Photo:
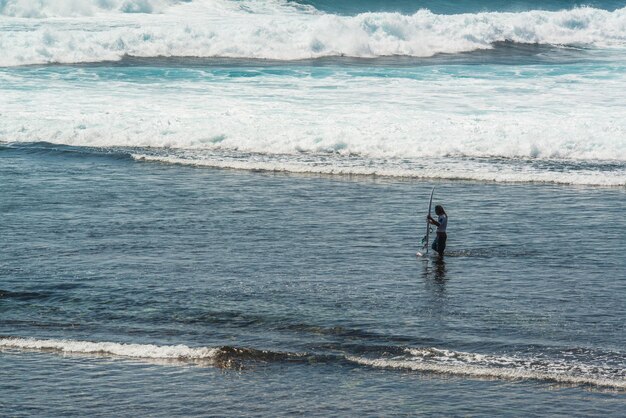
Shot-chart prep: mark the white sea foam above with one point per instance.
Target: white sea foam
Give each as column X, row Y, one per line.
column 475, row 365
column 40, row 9
column 137, row 351
column 500, row 367
column 433, row 169
column 420, row 123
column 394, row 123
column 73, row 31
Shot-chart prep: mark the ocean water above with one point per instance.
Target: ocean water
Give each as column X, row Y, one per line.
column 213, row 207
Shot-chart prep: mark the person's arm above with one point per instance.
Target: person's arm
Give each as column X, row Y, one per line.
column 432, row 220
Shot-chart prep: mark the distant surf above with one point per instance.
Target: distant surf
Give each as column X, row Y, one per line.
column 80, row 31
column 497, row 170
column 521, row 94
column 606, row 174
column 531, row 93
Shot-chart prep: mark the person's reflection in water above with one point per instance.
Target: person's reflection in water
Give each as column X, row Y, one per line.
column 435, row 276
column 440, row 270
column 435, row 299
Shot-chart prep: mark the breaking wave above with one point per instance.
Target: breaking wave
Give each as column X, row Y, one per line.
column 39, row 9
column 226, row 356
column 605, row 370
column 483, row 170
column 275, row 30
column 563, row 371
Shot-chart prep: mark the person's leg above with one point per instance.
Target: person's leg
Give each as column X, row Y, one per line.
column 441, row 243
column 434, row 246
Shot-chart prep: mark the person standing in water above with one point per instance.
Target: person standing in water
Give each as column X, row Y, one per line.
column 439, row 244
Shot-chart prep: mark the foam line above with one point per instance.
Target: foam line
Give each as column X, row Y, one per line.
column 433, row 360
column 136, row 351
column 497, row 367
column 225, row 356
column 441, row 171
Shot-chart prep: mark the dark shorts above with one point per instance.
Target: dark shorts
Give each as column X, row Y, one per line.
column 439, row 244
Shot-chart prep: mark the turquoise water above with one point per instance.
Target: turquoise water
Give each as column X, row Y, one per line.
column 450, row 7
column 555, row 117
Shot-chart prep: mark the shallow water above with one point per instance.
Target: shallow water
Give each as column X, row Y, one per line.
column 301, row 294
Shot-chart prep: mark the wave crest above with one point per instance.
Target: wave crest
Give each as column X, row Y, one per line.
column 225, row 356
column 573, row 367
column 475, row 365
column 39, row 9
column 484, row 170
column 281, row 32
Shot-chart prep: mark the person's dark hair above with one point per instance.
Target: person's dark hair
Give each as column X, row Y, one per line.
column 439, row 210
